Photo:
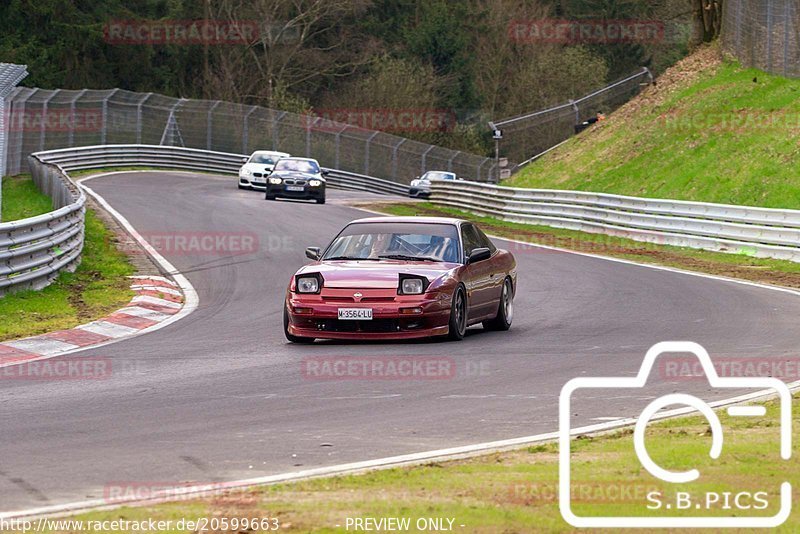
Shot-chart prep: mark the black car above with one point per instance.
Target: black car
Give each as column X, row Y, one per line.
column 299, row 178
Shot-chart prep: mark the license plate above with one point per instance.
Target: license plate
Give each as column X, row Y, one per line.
column 355, row 314
column 295, row 188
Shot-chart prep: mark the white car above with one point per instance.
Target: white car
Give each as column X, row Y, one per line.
column 421, row 186
column 256, row 168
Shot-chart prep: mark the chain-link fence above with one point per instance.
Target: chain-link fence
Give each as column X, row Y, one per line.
column 10, row 76
column 48, row 119
column 764, row 34
column 528, row 135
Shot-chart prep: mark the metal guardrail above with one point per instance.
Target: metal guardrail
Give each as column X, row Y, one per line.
column 34, row 250
column 171, row 157
column 761, row 232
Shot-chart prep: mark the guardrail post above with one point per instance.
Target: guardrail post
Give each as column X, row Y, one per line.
column 366, row 152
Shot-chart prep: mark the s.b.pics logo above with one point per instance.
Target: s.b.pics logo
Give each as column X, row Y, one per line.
column 741, row 455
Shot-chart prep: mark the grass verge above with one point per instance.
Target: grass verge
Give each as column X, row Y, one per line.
column 21, row 199
column 99, row 286
column 708, row 131
column 776, row 272
column 517, row 491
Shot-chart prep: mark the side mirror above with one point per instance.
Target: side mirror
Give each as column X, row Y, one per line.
column 313, row 253
column 244, row 160
column 479, row 254
column 325, row 172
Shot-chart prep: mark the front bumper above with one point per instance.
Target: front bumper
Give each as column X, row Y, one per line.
column 319, row 315
column 418, row 192
column 252, row 181
column 308, row 192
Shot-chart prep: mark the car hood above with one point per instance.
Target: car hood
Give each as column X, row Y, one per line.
column 373, row 274
column 298, row 175
column 257, row 167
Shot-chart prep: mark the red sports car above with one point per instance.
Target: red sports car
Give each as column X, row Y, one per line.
column 400, row 278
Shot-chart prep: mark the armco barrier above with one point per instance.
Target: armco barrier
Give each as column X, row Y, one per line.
column 761, row 232
column 34, row 250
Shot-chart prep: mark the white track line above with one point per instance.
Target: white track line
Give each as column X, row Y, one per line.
column 415, row 458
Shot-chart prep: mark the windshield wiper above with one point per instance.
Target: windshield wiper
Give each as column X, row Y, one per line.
column 353, row 258
column 406, row 257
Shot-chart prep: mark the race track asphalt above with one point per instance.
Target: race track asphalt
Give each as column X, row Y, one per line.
column 220, row 395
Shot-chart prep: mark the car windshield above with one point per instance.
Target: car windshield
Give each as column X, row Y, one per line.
column 401, row 241
column 265, row 159
column 436, row 175
column 298, row 165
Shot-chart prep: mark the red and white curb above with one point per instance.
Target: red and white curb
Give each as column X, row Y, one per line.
column 157, row 300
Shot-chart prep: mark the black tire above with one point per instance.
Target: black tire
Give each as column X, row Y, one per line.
column 321, row 200
column 505, row 310
column 290, row 337
column 270, row 197
column 458, row 315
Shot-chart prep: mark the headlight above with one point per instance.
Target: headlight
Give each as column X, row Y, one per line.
column 307, row 284
column 315, row 183
column 245, row 172
column 275, row 181
column 412, row 285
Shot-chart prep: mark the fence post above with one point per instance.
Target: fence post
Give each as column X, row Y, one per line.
column 786, row 19
column 42, row 133
column 246, row 130
column 450, row 161
column 139, row 118
column 104, row 128
column 210, row 124
column 425, row 160
column 276, row 130
column 71, row 134
column 769, row 36
column 575, row 109
column 338, row 140
column 478, row 177
column 366, row 152
column 395, row 159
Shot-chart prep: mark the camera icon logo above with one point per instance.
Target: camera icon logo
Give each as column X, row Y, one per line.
column 771, row 385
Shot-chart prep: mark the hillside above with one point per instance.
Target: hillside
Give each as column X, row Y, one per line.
column 709, row 131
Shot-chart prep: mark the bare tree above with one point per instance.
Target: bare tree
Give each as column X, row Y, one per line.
column 708, row 18
column 298, row 45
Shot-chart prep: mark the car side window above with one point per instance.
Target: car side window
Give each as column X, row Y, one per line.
column 469, row 237
column 484, row 240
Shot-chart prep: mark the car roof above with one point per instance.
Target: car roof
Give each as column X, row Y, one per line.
column 419, row 220
column 271, row 152
column 303, row 159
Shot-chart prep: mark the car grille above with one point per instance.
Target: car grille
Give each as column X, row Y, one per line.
column 352, row 299
column 292, row 181
column 257, row 174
